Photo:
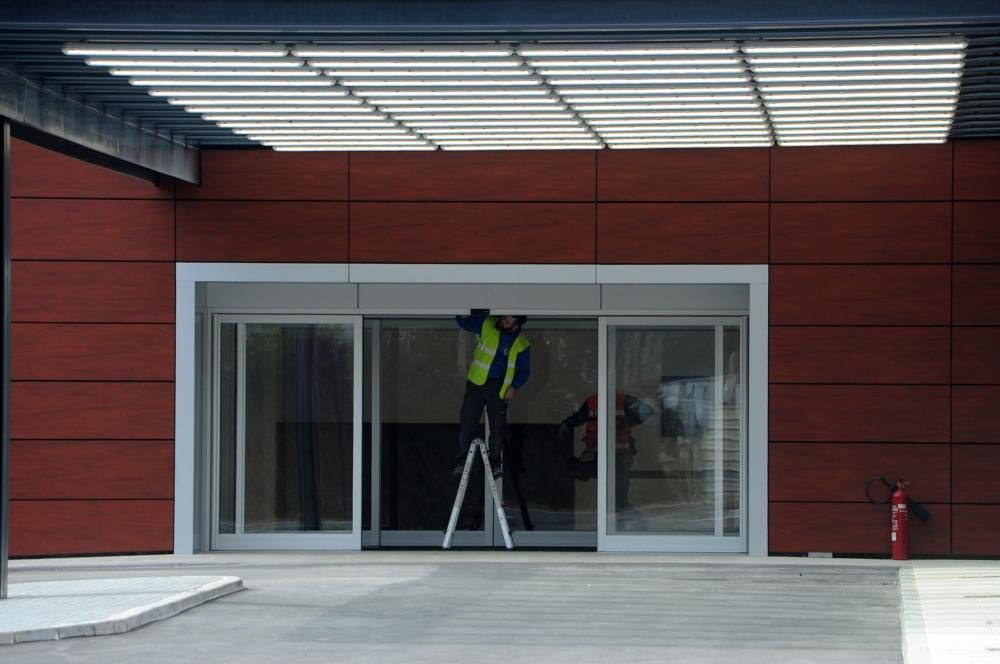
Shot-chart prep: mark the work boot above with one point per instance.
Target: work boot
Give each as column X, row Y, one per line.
column 497, row 469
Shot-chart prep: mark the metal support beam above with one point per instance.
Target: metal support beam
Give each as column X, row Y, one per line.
column 4, row 354
column 47, row 117
column 447, row 15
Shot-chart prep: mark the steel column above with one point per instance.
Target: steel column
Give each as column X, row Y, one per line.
column 5, row 355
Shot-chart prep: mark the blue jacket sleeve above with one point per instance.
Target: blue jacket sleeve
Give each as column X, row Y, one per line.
column 522, row 369
column 472, row 324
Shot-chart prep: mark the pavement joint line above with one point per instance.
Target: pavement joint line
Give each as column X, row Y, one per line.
column 52, row 626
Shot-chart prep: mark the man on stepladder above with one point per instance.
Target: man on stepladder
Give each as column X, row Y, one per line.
column 500, row 366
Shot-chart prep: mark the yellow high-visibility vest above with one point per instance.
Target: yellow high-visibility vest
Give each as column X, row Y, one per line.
column 486, row 350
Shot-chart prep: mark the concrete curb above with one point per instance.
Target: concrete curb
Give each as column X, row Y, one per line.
column 125, row 621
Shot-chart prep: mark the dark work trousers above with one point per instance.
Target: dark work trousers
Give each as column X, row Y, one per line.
column 477, row 396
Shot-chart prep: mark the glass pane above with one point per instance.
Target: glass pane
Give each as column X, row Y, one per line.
column 663, row 474
column 424, row 363
column 227, row 428
column 299, row 427
column 550, row 478
column 732, row 423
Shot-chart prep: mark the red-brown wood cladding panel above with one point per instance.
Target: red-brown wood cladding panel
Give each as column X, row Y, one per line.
column 474, row 176
column 859, row 355
column 860, row 232
column 862, row 173
column 82, row 229
column 683, row 175
column 79, row 410
column 975, row 471
column 57, row 527
column 860, row 295
column 682, row 233
column 863, row 413
column 975, row 530
column 106, row 469
column 977, row 170
column 977, row 232
column 269, row 175
column 839, row 471
column 975, row 355
column 851, row 528
column 472, row 232
column 83, row 351
column 37, row 172
column 977, row 294
column 975, row 414
column 262, row 231
column 93, row 292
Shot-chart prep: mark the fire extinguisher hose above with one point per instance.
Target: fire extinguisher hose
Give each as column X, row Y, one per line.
column 916, row 508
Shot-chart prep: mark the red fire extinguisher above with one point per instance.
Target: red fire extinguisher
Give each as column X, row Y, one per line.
column 900, row 517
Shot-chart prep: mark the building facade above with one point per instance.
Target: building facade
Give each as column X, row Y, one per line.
column 869, row 275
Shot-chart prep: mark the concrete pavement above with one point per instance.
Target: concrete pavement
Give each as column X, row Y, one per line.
column 433, row 606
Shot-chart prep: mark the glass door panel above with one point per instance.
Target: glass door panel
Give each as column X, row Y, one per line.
column 288, row 432
column 674, row 434
column 549, row 483
column 423, row 363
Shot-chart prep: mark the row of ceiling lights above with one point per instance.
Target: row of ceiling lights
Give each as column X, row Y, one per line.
column 550, row 96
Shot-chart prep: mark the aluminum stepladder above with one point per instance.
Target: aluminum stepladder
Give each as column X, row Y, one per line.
column 463, row 485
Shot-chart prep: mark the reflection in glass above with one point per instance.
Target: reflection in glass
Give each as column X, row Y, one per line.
column 549, row 483
column 296, row 470
column 677, row 472
column 227, row 428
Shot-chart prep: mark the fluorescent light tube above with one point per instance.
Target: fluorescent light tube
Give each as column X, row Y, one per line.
column 876, row 129
column 867, row 141
column 468, row 92
column 875, row 57
column 490, row 102
column 354, row 82
column 609, row 115
column 231, row 82
column 503, row 146
column 630, row 62
column 887, row 111
column 560, row 81
column 277, row 102
column 500, row 123
column 355, row 52
column 419, row 117
column 179, row 50
column 303, row 125
column 210, row 93
column 436, row 137
column 896, row 66
column 708, row 48
column 195, row 73
column 225, row 117
column 852, row 46
column 547, row 110
column 911, row 76
column 696, row 133
column 688, row 144
column 366, row 74
column 234, row 110
column 189, row 63
column 355, row 148
column 419, row 63
column 777, row 104
column 555, row 72
column 860, row 117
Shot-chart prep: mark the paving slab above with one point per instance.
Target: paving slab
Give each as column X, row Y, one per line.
column 426, row 607
column 51, row 610
column 951, row 611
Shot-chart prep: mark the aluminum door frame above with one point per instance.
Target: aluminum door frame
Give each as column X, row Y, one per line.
column 302, row 541
column 660, row 542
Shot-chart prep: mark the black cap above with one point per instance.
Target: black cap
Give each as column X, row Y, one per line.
column 520, row 320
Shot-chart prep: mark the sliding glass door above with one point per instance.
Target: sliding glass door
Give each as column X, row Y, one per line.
column 673, row 434
column 287, row 432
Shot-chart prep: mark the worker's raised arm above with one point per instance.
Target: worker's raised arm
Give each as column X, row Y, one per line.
column 472, row 324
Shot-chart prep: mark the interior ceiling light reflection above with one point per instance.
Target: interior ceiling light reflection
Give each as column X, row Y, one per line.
column 555, row 96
